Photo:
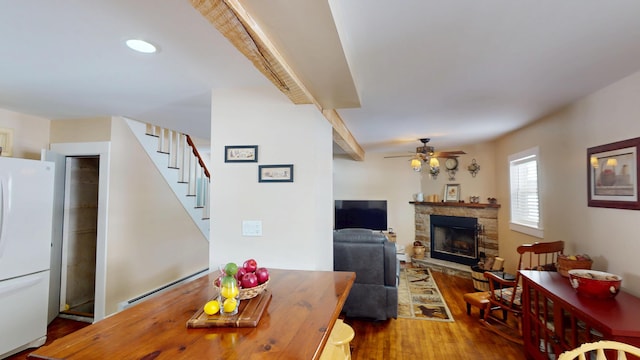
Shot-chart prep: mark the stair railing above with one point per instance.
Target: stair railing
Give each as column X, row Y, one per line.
column 184, row 156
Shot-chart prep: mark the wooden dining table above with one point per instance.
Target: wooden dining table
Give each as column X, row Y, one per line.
column 295, row 324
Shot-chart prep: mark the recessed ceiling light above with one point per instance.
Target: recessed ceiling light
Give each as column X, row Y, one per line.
column 141, row 46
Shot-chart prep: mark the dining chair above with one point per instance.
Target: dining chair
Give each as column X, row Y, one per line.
column 615, row 349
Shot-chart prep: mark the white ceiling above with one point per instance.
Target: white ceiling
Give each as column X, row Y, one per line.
column 458, row 71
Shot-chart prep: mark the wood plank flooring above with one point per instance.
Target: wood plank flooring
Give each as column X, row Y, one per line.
column 401, row 339
column 406, row 339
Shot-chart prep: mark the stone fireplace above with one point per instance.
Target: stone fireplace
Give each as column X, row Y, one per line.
column 485, row 217
column 454, row 238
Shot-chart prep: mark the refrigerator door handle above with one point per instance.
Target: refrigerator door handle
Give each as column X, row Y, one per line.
column 3, row 208
column 18, row 284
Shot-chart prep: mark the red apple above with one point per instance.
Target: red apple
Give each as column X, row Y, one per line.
column 250, row 265
column 240, row 273
column 249, row 280
column 262, row 274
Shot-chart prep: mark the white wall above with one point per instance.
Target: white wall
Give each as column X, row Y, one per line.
column 151, row 240
column 30, row 133
column 610, row 236
column 392, row 179
column 377, row 178
column 296, row 217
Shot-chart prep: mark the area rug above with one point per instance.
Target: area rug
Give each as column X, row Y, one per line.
column 419, row 297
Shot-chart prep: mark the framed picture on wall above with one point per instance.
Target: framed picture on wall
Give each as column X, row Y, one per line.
column 612, row 175
column 452, row 192
column 6, row 142
column 275, row 173
column 241, row 153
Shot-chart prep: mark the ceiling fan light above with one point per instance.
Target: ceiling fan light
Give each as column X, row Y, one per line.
column 416, row 164
column 433, row 162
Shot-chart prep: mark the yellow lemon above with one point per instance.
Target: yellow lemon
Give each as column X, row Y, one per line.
column 212, row 307
column 229, row 292
column 229, row 305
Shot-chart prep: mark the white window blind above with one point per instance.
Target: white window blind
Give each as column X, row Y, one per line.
column 525, row 200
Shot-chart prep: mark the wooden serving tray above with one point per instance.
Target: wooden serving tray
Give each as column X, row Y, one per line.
column 249, row 314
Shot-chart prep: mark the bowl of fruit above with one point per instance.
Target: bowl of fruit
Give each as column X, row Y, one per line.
column 251, row 279
column 595, row 284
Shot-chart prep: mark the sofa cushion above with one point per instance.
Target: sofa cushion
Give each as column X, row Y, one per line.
column 360, row 258
column 358, row 236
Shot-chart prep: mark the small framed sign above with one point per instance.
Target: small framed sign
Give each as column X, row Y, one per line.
column 241, row 153
column 452, row 192
column 275, row 173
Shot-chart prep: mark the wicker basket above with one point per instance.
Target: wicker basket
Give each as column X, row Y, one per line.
column 565, row 264
column 250, row 293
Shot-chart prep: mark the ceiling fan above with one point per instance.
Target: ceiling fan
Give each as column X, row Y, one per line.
column 426, row 154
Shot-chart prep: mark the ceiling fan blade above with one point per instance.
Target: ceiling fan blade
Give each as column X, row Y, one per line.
column 397, row 156
column 448, row 153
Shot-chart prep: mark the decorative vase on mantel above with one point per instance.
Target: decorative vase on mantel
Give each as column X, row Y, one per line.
column 418, row 250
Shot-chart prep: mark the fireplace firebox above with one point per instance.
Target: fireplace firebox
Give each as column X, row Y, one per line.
column 454, row 238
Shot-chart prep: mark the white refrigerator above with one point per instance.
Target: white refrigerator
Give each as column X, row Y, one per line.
column 26, row 210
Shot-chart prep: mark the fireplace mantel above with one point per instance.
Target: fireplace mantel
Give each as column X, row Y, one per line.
column 456, row 204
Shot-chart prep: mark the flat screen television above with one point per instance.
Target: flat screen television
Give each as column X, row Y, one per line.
column 366, row 214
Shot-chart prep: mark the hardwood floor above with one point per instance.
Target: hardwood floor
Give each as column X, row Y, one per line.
column 400, row 339
column 406, row 339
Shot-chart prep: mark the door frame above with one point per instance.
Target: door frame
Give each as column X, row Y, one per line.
column 102, row 150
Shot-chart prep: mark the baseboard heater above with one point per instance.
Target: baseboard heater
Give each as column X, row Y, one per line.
column 125, row 304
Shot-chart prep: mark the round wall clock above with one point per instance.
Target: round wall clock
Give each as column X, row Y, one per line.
column 451, row 163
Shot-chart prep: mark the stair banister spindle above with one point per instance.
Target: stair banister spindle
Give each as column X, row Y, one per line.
column 173, row 152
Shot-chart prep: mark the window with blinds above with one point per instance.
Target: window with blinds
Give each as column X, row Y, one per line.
column 525, row 199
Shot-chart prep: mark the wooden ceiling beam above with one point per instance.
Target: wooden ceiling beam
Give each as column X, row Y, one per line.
column 342, row 136
column 233, row 21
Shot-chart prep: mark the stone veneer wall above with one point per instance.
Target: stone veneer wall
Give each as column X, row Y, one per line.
column 486, row 214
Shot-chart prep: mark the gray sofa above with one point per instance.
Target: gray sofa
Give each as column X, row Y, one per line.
column 373, row 258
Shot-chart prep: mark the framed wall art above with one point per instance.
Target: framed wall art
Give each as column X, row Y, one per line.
column 6, row 142
column 612, row 175
column 452, row 192
column 275, row 173
column 241, row 153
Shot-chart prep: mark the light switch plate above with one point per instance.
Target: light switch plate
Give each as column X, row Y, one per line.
column 251, row 228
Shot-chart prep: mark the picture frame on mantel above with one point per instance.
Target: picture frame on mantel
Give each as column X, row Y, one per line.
column 241, row 153
column 452, row 192
column 612, row 175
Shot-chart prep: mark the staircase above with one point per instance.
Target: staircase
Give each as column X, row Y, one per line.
column 179, row 162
